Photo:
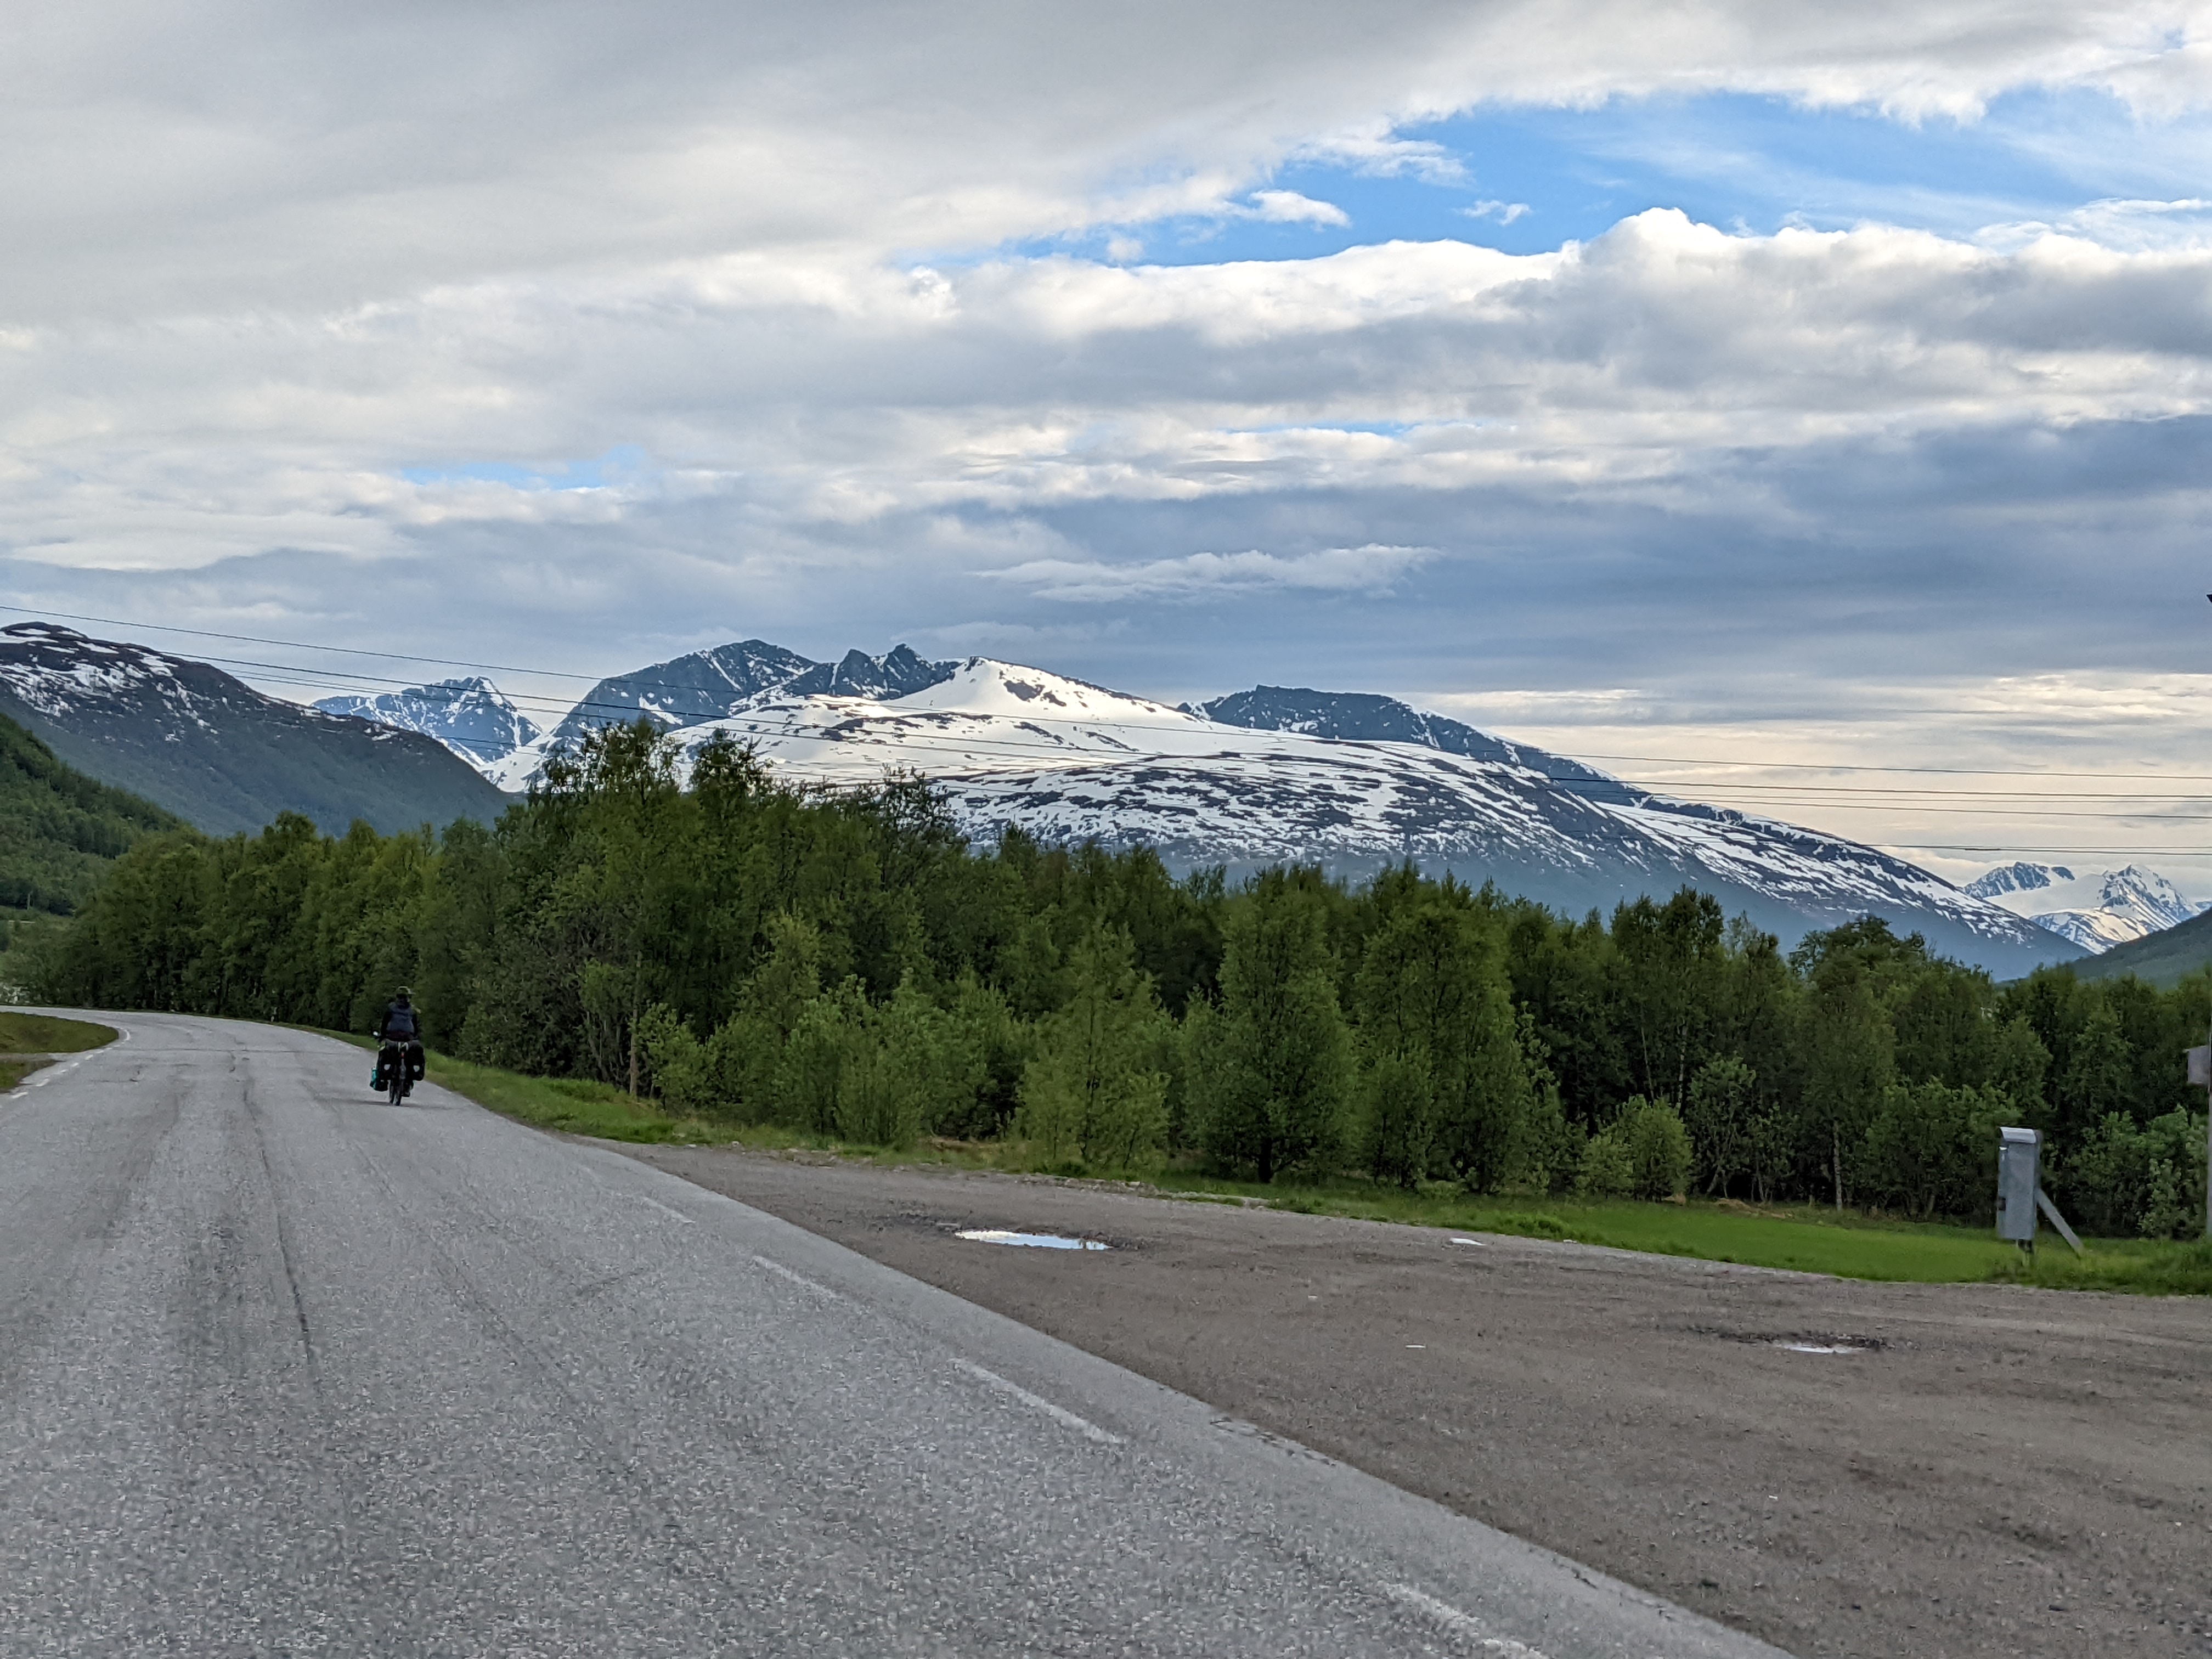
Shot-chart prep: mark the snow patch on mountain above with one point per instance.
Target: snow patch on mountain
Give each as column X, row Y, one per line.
column 1364, row 716
column 706, row 685
column 2095, row 911
column 213, row 750
column 471, row 717
column 1068, row 761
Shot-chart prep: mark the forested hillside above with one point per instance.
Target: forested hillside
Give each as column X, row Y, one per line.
column 59, row 830
column 214, row 750
column 845, row 964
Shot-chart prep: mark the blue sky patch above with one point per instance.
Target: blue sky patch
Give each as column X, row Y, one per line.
column 1528, row 180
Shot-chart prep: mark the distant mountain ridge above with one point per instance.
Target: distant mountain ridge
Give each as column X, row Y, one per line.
column 707, row 685
column 2096, row 912
column 1353, row 781
column 220, row 755
column 683, row 690
column 471, row 717
column 1066, row 761
column 1368, row 717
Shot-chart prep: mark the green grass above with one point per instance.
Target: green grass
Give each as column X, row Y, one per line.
column 1809, row 1238
column 43, row 1034
column 2138, row 1266
column 570, row 1104
column 13, row 1071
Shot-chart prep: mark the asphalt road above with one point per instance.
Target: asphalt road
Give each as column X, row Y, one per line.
column 1993, row 1473
column 286, row 1370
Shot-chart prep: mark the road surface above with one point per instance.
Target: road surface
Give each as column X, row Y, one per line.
column 1990, row 1473
column 284, row 1370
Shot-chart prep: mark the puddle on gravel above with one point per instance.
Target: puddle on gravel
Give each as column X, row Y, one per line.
column 1824, row 1342
column 1042, row 1241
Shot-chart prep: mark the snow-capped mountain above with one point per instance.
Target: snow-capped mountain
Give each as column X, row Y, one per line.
column 705, row 685
column 2095, row 911
column 1364, row 717
column 217, row 753
column 471, row 717
column 1068, row 761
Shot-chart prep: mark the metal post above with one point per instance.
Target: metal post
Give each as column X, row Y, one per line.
column 2200, row 1071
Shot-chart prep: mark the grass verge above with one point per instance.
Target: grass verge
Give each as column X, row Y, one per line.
column 43, row 1034
column 1807, row 1238
column 13, row 1071
column 569, row 1104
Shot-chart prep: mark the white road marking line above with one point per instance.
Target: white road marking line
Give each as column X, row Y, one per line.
column 1060, row 1414
column 800, row 1279
column 1459, row 1624
column 665, row 1209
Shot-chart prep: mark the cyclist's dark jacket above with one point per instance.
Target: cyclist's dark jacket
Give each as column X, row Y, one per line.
column 400, row 1024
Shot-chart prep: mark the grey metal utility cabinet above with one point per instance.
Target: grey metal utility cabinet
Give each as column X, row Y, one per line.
column 2020, row 1191
column 2020, row 1154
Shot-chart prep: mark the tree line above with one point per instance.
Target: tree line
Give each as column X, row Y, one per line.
column 847, row 964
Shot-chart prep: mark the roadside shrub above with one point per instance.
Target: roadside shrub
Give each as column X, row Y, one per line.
column 1271, row 1065
column 1932, row 1149
column 1659, row 1150
column 1643, row 1153
column 1607, row 1170
column 1399, row 1124
column 1089, row 1092
column 2147, row 1181
column 675, row 1061
column 1719, row 1118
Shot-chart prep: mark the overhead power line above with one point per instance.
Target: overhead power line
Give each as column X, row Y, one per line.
column 1746, row 793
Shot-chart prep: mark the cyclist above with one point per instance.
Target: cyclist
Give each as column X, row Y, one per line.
column 400, row 1032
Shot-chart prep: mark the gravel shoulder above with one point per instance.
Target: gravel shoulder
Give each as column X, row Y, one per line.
column 1999, row 1472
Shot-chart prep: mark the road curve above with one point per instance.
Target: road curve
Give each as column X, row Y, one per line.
column 284, row 1370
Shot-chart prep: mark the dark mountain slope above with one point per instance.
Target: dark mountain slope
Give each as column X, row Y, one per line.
column 217, row 753
column 683, row 690
column 2164, row 958
column 59, row 830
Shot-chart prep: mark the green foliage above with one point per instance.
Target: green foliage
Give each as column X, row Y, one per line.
column 1608, row 1169
column 2147, row 1180
column 845, row 966
column 60, row 831
column 1398, row 1114
column 1272, row 1070
column 1643, row 1153
column 1720, row 1117
column 1448, row 1084
column 1091, row 1092
column 1932, row 1149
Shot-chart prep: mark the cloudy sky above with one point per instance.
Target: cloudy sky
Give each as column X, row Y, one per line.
column 1750, row 395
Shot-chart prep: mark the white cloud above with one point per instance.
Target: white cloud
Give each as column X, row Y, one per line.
column 313, row 155
column 265, row 263
column 1333, row 570
column 2132, row 226
column 1287, row 207
column 1504, row 212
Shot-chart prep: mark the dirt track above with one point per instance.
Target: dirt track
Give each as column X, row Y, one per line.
column 2009, row 1473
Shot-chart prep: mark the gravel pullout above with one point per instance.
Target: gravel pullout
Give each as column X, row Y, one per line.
column 1995, row 1472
